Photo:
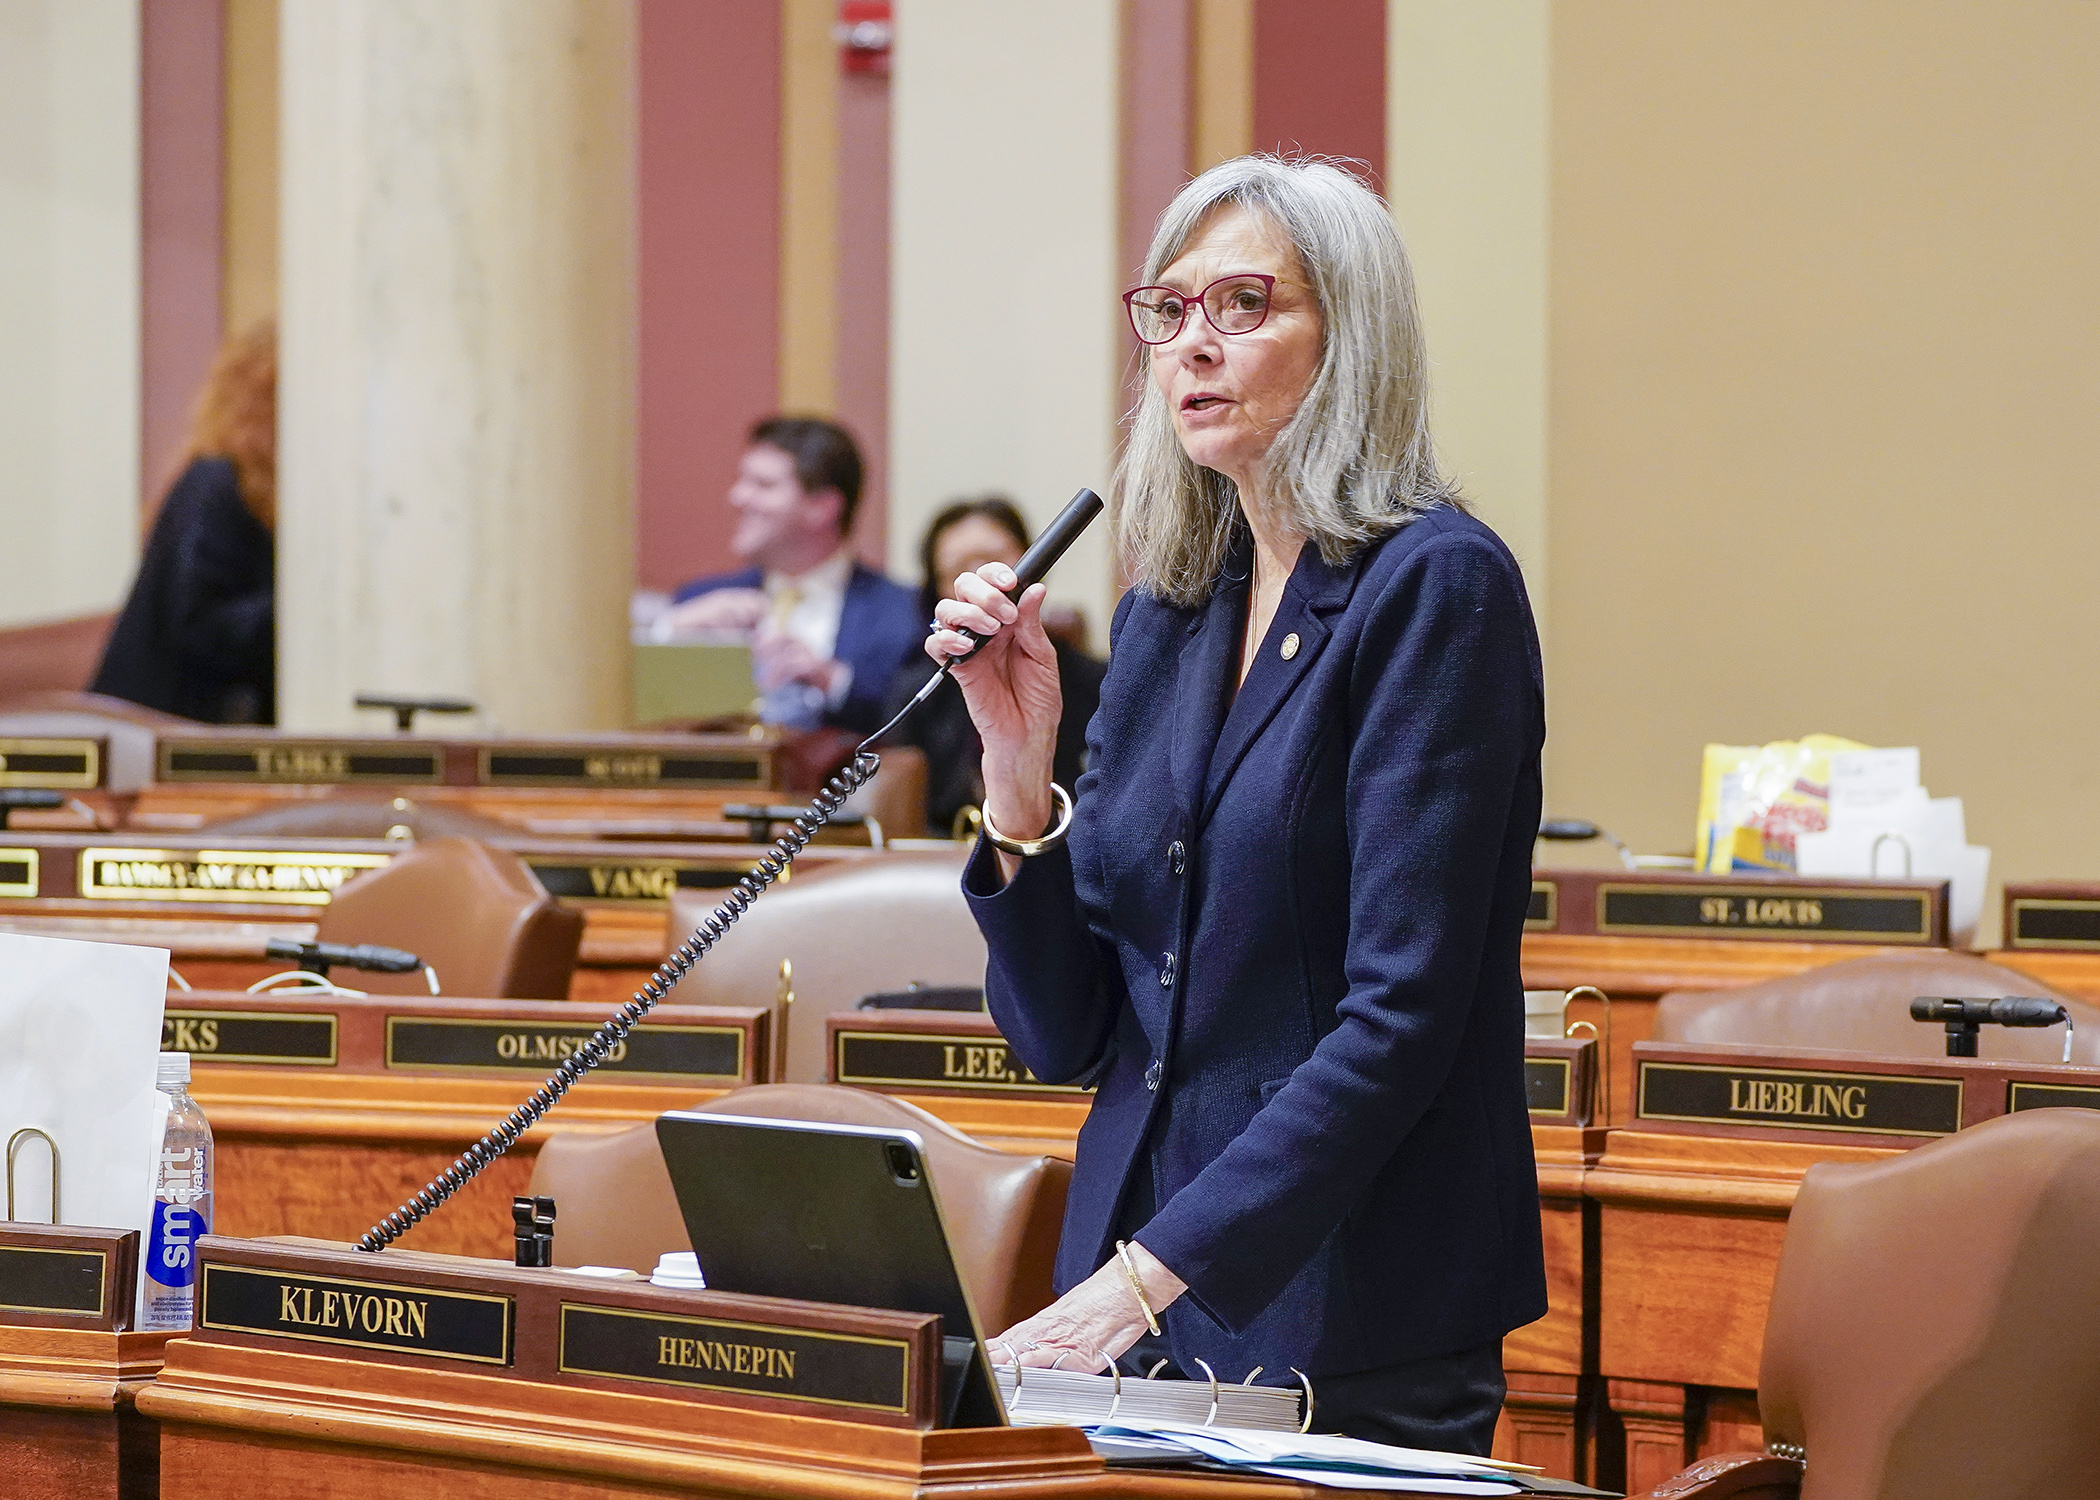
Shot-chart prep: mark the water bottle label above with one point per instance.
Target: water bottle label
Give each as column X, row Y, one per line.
column 171, row 1253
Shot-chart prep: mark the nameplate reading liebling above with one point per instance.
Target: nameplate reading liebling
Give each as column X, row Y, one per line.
column 1749, row 910
column 963, row 1062
column 19, row 870
column 630, row 880
column 35, row 1279
column 298, row 762
column 251, row 1036
column 755, row 1359
column 607, row 766
column 1799, row 1099
column 696, row 1054
column 400, row 1319
column 56, row 764
column 256, row 877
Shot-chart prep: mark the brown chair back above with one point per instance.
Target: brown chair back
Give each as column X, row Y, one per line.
column 61, row 655
column 475, row 914
column 878, row 924
column 363, row 818
column 1863, row 1005
column 1003, row 1211
column 1932, row 1335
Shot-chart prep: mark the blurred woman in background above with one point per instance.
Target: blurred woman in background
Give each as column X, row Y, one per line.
column 198, row 636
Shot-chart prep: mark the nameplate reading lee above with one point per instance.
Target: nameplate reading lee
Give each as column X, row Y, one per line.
column 244, row 875
column 1542, row 914
column 251, row 1036
column 19, row 872
column 1546, row 1083
column 637, row 880
column 698, row 1054
column 59, row 765
column 974, row 1064
column 1858, row 1103
column 65, row 1282
column 1763, row 911
column 309, row 762
column 755, row 1359
column 2051, row 923
column 614, row 766
column 401, row 1319
column 2021, row 1096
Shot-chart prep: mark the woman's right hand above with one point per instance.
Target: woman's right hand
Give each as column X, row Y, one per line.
column 1012, row 690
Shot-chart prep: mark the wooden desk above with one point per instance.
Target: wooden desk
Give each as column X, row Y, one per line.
column 69, row 1424
column 2074, row 974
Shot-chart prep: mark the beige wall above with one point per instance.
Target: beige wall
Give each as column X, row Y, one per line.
column 250, row 238
column 1825, row 373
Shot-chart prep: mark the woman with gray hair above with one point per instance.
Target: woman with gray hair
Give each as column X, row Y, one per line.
column 1279, row 938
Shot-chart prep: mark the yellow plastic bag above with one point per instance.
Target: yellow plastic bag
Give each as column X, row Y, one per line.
column 1753, row 800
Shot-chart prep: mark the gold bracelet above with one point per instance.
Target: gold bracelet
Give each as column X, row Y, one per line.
column 1026, row 847
column 1137, row 1287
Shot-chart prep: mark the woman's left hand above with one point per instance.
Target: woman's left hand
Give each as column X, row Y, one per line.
column 1092, row 1324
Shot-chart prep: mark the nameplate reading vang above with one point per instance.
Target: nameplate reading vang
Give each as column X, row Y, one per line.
column 2053, row 923
column 1546, row 1084
column 244, row 875
column 2022, row 1096
column 1542, row 913
column 400, row 1319
column 1854, row 1103
column 697, row 1054
column 61, row 1282
column 19, row 872
column 625, row 880
column 300, row 762
column 251, row 1036
column 972, row 1063
column 57, row 764
column 753, row 1359
column 610, row 766
column 1763, row 911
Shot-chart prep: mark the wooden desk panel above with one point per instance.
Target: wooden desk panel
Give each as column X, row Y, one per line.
column 2074, row 974
column 69, row 1426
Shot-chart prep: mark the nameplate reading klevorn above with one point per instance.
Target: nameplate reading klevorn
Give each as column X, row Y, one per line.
column 1853, row 1103
column 637, row 880
column 34, row 1279
column 251, row 1036
column 18, row 872
column 243, row 875
column 56, row 764
column 1751, row 910
column 401, row 1319
column 753, row 1359
column 971, row 1063
column 558, row 765
column 700, row 1054
column 307, row 762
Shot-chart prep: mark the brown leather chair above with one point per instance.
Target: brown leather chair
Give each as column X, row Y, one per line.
column 876, row 925
column 616, row 1208
column 364, row 818
column 475, row 914
column 1932, row 1333
column 1863, row 1005
column 62, row 655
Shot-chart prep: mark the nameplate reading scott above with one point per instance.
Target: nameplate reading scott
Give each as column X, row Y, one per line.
column 1546, row 1083
column 1853, row 1103
column 251, row 1036
column 610, row 766
column 1762, row 911
column 57, row 764
column 2039, row 922
column 636, row 880
column 700, row 1054
column 62, row 1282
column 1542, row 914
column 300, row 762
column 19, row 872
column 2021, row 1096
column 244, row 875
column 870, row 1374
column 362, row 1314
column 972, row 1064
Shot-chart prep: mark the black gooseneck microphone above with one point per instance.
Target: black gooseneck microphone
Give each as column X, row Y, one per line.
column 857, row 773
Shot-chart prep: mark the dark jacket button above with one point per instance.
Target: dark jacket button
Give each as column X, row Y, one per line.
column 1152, row 1075
column 1177, row 857
column 1166, row 973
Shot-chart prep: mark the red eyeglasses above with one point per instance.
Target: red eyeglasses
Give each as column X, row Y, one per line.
column 1232, row 304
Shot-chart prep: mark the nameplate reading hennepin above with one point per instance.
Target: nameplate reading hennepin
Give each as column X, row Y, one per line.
column 251, row 1036
column 34, row 1279
column 308, row 762
column 1750, row 910
column 73, row 765
column 753, row 1359
column 1855, row 1103
column 552, row 765
column 697, row 1054
column 400, row 1319
column 243, row 875
column 970, row 1063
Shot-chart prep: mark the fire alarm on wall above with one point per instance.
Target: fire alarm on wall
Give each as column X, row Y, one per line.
column 864, row 32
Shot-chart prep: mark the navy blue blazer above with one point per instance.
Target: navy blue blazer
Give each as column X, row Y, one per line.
column 879, row 628
column 1282, row 942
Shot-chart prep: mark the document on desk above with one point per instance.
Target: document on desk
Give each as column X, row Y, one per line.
column 1333, row 1462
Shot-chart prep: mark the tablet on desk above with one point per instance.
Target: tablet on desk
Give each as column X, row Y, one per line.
column 828, row 1213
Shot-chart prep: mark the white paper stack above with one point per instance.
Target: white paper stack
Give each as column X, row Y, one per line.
column 1333, row 1462
column 1045, row 1397
column 1885, row 825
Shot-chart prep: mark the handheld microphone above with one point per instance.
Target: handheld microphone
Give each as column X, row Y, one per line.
column 318, row 958
column 1038, row 559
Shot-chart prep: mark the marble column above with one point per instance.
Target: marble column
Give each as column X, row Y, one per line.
column 455, row 448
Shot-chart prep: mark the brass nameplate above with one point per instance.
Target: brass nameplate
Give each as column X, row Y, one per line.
column 630, row 880
column 753, row 1359
column 58, row 764
column 695, row 1054
column 64, row 1282
column 251, row 1036
column 2051, row 1096
column 244, row 875
column 614, row 766
column 399, row 1319
column 298, row 762
column 2051, row 923
column 1857, row 1103
column 977, row 1064
column 1542, row 914
column 1547, row 1081
column 19, row 871
column 1764, row 911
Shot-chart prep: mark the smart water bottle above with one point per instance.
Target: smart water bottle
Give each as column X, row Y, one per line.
column 181, row 1205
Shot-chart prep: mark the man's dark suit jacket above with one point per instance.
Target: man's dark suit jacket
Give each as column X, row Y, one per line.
column 879, row 626
column 1282, row 940
column 198, row 636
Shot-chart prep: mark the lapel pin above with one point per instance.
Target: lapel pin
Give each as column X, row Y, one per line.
column 1290, row 645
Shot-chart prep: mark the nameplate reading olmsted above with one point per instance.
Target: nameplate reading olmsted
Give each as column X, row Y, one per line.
column 973, row 1063
column 19, row 872
column 614, row 766
column 755, row 1359
column 310, row 762
column 701, row 1054
column 1546, row 1081
column 2020, row 1096
column 38, row 1280
column 2039, row 922
column 250, row 1036
column 1542, row 914
column 401, row 1319
column 643, row 880
column 1762, row 911
column 73, row 765
column 1860, row 1103
column 242, row 875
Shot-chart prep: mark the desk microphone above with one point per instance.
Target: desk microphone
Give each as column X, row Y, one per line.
column 1962, row 1018
column 319, row 958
